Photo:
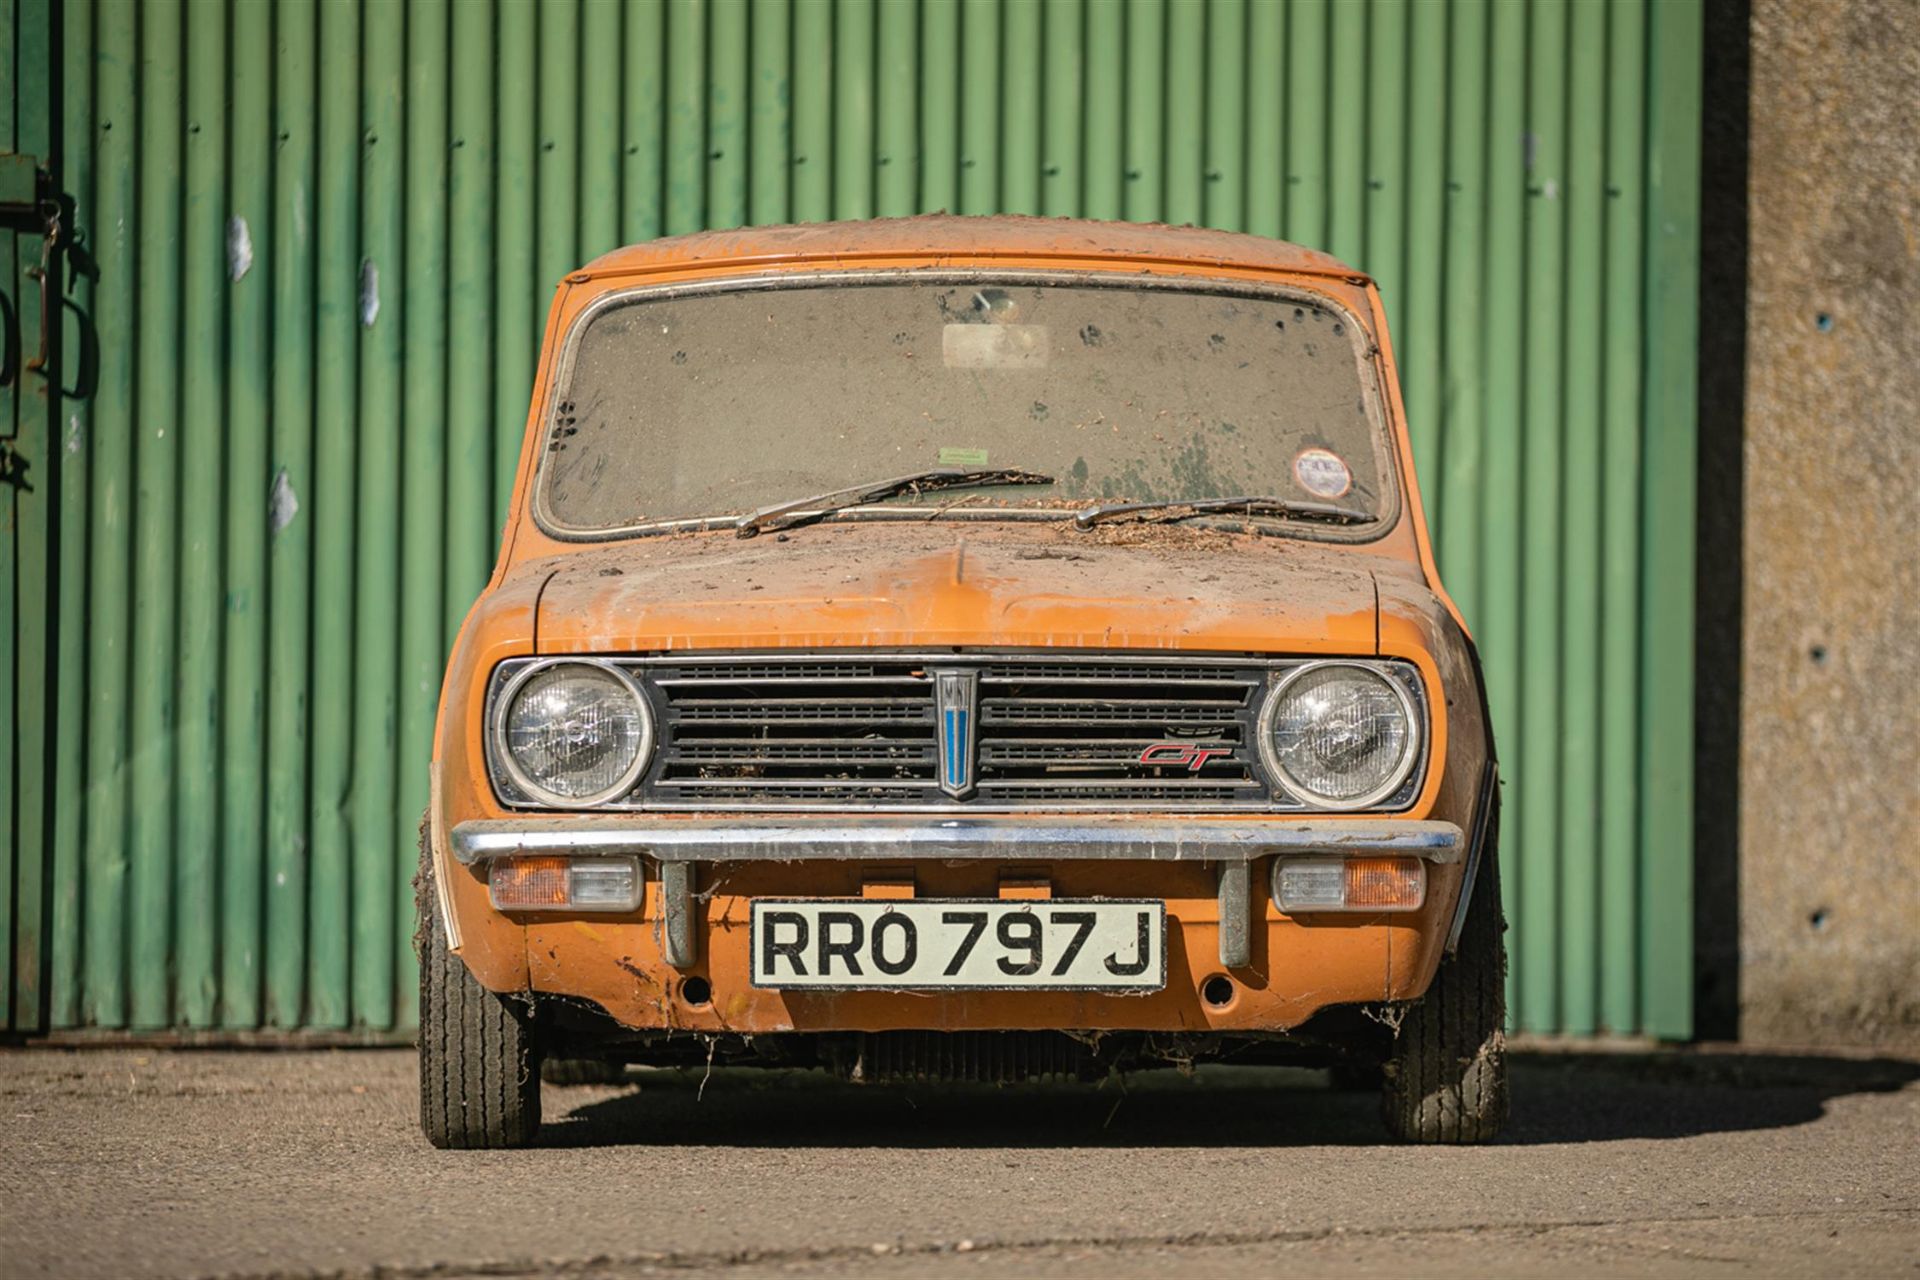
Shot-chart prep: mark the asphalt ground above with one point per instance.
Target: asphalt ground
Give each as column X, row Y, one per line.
column 200, row 1163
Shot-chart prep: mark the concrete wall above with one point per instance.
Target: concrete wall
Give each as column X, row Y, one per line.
column 1830, row 717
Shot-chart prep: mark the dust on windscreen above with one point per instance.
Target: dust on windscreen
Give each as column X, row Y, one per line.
column 717, row 403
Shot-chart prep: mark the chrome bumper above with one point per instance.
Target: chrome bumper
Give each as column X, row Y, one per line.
column 680, row 844
column 1012, row 836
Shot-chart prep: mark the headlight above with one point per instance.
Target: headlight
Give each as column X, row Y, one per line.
column 572, row 734
column 1340, row 735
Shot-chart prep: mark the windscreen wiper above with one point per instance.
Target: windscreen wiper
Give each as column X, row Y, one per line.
column 1286, row 508
column 785, row 515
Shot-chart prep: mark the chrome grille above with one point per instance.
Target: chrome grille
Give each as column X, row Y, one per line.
column 819, row 732
column 813, row 733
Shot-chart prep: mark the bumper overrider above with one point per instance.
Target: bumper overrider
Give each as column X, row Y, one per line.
column 681, row 850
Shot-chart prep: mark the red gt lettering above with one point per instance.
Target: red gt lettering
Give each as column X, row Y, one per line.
column 1175, row 754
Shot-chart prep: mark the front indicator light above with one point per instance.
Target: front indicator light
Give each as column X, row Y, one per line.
column 548, row 883
column 1386, row 884
column 1303, row 885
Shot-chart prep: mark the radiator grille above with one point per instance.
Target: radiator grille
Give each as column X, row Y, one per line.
column 862, row 731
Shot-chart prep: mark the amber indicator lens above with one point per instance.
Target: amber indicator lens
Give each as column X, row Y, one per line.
column 1393, row 884
column 1349, row 884
column 548, row 883
column 529, row 882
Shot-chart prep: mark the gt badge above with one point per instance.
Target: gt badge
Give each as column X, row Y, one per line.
column 1191, row 756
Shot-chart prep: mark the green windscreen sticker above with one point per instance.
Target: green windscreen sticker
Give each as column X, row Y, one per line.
column 951, row 457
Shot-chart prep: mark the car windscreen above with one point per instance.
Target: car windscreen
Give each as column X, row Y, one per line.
column 704, row 404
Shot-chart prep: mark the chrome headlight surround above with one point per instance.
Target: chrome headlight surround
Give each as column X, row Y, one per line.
column 1400, row 677
column 511, row 782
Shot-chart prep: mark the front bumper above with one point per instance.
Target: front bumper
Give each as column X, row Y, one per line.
column 682, row 846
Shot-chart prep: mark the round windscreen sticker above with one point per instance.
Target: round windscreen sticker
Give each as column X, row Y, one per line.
column 1322, row 473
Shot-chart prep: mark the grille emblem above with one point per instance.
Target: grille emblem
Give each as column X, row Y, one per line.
column 956, row 697
column 1192, row 756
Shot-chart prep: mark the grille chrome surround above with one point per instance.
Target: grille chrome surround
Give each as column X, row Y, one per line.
column 1053, row 732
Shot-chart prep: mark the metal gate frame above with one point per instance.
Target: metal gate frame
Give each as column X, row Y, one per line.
column 31, row 468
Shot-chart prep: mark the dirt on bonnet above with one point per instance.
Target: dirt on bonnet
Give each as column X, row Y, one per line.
column 151, row 1163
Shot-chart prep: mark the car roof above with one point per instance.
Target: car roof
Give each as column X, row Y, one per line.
column 936, row 236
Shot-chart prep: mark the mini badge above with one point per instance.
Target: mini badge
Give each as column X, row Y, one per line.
column 958, row 696
column 1322, row 473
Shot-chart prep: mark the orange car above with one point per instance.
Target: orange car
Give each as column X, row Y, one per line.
column 964, row 648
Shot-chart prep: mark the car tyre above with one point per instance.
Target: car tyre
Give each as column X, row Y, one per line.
column 1446, row 1079
column 479, row 1059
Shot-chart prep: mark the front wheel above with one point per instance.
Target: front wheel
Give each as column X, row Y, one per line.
column 1446, row 1079
column 479, row 1061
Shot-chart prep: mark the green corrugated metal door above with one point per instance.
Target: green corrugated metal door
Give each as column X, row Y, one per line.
column 325, row 236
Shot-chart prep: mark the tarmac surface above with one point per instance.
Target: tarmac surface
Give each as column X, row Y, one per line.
column 199, row 1163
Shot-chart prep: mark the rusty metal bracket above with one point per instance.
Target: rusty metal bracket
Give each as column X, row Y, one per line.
column 1236, row 915
column 25, row 204
column 23, row 187
column 38, row 275
column 676, row 893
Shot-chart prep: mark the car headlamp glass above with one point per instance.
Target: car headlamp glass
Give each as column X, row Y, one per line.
column 575, row 733
column 1341, row 736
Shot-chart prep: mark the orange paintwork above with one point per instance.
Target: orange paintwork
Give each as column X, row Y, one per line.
column 905, row 585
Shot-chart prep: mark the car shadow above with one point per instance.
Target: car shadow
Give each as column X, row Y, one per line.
column 1566, row 1096
column 1560, row 1096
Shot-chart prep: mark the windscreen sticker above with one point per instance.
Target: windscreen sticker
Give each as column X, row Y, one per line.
column 1322, row 473
column 994, row 346
column 952, row 457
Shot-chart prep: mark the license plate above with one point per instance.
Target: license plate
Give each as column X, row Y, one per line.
column 960, row 944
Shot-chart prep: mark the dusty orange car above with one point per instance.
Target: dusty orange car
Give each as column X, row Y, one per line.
column 960, row 648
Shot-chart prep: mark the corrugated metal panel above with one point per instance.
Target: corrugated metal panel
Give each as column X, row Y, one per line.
column 325, row 236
